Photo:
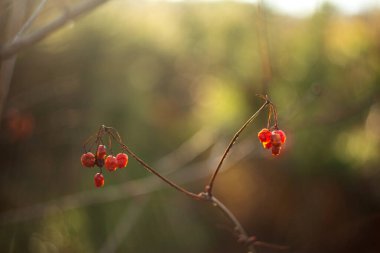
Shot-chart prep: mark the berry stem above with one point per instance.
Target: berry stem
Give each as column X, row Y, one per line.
column 210, row 185
column 150, row 169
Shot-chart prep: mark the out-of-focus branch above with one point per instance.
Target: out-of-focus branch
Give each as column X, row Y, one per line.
column 18, row 10
column 30, row 20
column 27, row 40
column 262, row 35
column 125, row 224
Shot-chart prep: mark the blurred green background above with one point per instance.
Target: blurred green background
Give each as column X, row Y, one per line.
column 165, row 74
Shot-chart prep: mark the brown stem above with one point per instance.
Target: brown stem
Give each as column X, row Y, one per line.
column 210, row 185
column 241, row 233
column 150, row 169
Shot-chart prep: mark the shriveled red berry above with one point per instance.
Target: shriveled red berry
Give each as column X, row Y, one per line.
column 88, row 159
column 99, row 180
column 122, row 160
column 111, row 163
column 267, row 145
column 282, row 135
column 276, row 150
column 275, row 139
column 101, row 152
column 264, row 135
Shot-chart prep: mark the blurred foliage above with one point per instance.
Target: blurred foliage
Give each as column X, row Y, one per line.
column 158, row 72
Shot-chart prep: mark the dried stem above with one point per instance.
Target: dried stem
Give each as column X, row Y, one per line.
column 210, row 185
column 241, row 233
column 149, row 168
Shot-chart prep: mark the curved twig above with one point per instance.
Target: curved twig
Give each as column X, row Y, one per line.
column 210, row 185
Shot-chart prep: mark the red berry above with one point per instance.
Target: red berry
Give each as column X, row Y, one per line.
column 282, row 135
column 122, row 160
column 267, row 145
column 276, row 150
column 111, row 163
column 99, row 180
column 264, row 135
column 101, row 152
column 88, row 159
column 275, row 139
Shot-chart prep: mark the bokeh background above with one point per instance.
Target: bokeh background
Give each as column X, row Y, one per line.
column 177, row 79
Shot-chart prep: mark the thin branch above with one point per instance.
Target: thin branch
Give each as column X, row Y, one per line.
column 31, row 19
column 242, row 234
column 17, row 45
column 124, row 225
column 210, row 185
column 152, row 170
column 16, row 18
column 262, row 35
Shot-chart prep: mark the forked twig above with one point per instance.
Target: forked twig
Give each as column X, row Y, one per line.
column 207, row 194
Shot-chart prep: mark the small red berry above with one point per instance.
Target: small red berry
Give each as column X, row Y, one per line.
column 276, row 150
column 122, row 160
column 275, row 139
column 88, row 159
column 267, row 145
column 99, row 180
column 282, row 135
column 101, row 152
column 264, row 135
column 111, row 163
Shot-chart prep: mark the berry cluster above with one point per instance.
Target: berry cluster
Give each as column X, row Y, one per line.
column 272, row 139
column 110, row 162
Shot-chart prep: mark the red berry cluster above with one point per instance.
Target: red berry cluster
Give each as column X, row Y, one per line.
column 110, row 162
column 272, row 139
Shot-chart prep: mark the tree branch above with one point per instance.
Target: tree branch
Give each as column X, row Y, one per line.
column 27, row 40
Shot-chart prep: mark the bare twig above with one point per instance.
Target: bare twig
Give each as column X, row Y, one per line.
column 70, row 13
column 241, row 233
column 262, row 35
column 151, row 169
column 210, row 185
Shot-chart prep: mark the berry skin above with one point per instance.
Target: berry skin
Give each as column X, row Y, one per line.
column 282, row 135
column 275, row 139
column 111, row 163
column 101, row 152
column 264, row 135
column 99, row 180
column 276, row 150
column 267, row 145
column 88, row 160
column 122, row 160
